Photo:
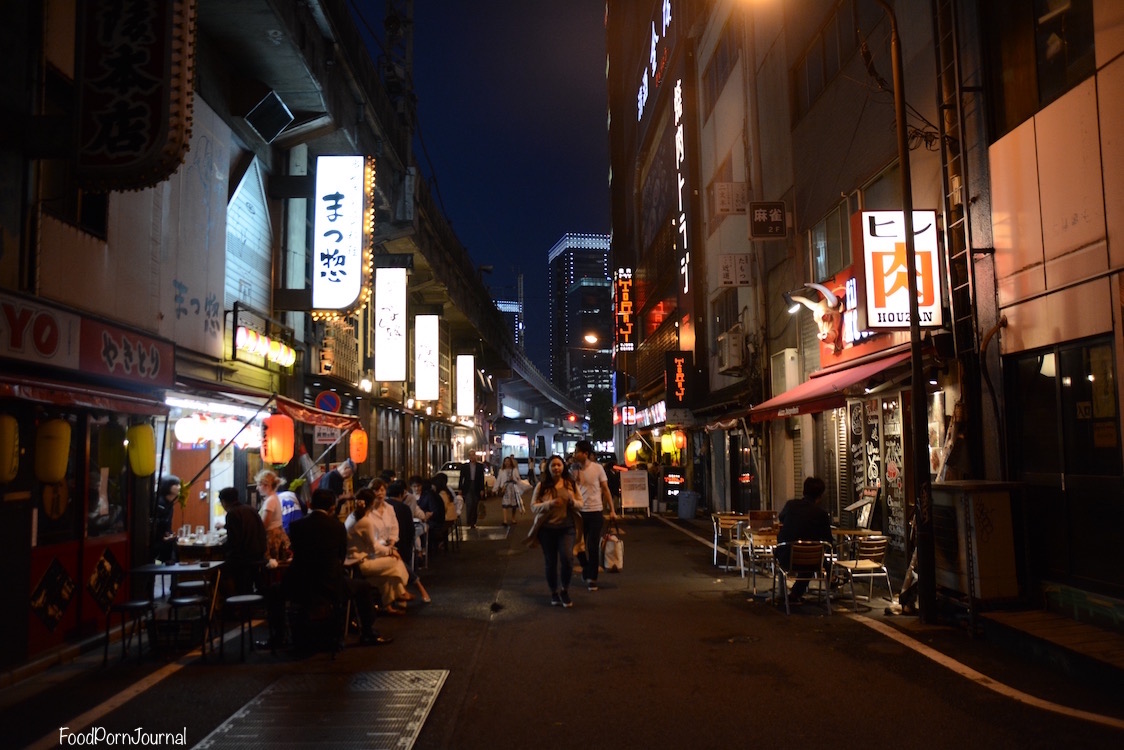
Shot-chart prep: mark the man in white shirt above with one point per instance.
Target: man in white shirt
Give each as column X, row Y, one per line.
column 594, row 486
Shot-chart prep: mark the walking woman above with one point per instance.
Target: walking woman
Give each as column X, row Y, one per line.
column 556, row 505
column 511, row 486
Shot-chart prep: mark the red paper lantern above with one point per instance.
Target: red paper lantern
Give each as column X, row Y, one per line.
column 680, row 440
column 277, row 438
column 357, row 446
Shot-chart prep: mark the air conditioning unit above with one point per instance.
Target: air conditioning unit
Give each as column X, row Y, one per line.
column 784, row 366
column 731, row 351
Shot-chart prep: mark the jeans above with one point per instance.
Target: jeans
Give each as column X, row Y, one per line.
column 558, row 545
column 592, row 523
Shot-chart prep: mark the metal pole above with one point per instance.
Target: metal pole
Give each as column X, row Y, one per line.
column 919, row 434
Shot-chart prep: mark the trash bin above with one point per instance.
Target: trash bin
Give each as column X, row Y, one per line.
column 688, row 503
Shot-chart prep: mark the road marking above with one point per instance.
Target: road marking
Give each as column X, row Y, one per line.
column 949, row 663
column 983, row 680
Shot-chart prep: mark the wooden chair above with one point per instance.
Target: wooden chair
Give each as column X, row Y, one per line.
column 804, row 559
column 869, row 563
column 761, row 545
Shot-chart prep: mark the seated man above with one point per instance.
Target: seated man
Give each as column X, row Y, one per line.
column 804, row 520
column 319, row 545
column 244, row 551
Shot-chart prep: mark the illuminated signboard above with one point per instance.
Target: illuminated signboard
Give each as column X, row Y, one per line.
column 252, row 342
column 343, row 223
column 466, row 385
column 623, row 309
column 658, row 52
column 427, row 329
column 880, row 268
column 677, row 376
column 682, row 189
column 390, row 324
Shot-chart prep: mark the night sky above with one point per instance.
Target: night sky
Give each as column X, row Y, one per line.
column 512, row 112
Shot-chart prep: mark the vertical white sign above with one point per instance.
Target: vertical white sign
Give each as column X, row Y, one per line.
column 337, row 261
column 390, row 324
column 886, row 276
column 427, row 330
column 466, row 385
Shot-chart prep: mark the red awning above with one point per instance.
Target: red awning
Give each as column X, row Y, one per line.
column 825, row 392
column 86, row 396
column 314, row 416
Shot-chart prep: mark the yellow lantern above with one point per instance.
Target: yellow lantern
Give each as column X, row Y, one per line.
column 357, row 446
column 111, row 448
column 277, row 438
column 632, row 452
column 52, row 451
column 667, row 442
column 142, row 449
column 9, row 448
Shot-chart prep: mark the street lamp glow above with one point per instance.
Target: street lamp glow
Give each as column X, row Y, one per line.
column 590, row 338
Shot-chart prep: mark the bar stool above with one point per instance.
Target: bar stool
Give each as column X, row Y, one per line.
column 176, row 603
column 244, row 606
column 135, row 611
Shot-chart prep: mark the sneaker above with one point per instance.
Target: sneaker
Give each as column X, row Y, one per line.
column 564, row 598
column 555, row 600
column 593, row 585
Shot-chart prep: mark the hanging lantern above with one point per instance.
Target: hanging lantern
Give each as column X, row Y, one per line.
column 52, row 451
column 667, row 442
column 357, row 445
column 111, row 448
column 632, row 452
column 277, row 438
column 680, row 440
column 142, row 449
column 9, row 448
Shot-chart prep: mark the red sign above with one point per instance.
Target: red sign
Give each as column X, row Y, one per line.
column 114, row 352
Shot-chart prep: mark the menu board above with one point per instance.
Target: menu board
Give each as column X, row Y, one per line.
column 856, row 449
column 893, row 460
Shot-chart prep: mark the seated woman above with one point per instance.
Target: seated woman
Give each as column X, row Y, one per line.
column 371, row 543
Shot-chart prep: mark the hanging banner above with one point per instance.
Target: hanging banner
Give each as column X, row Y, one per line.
column 390, row 324
column 427, row 332
column 466, row 385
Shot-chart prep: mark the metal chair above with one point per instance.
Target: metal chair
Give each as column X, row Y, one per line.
column 761, row 545
column 801, row 559
column 728, row 536
column 869, row 563
column 242, row 606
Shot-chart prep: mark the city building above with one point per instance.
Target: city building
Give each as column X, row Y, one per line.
column 579, row 292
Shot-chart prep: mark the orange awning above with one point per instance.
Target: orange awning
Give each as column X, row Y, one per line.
column 314, row 416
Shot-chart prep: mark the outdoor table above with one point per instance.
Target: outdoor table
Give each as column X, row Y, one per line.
column 203, row 567
column 845, row 536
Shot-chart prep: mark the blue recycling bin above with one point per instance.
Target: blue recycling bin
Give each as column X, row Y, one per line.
column 688, row 504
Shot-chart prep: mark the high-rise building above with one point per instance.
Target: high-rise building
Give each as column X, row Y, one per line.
column 580, row 298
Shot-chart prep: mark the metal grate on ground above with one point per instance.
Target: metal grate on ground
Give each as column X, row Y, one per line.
column 364, row 710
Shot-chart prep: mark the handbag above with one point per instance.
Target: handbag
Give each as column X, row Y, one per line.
column 612, row 550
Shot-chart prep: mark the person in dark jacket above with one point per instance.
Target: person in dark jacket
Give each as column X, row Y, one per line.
column 472, row 487
column 244, row 550
column 803, row 519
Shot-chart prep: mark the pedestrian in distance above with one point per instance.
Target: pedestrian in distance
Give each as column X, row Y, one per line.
column 556, row 504
column 510, row 486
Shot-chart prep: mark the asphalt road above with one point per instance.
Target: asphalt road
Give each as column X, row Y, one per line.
column 670, row 653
